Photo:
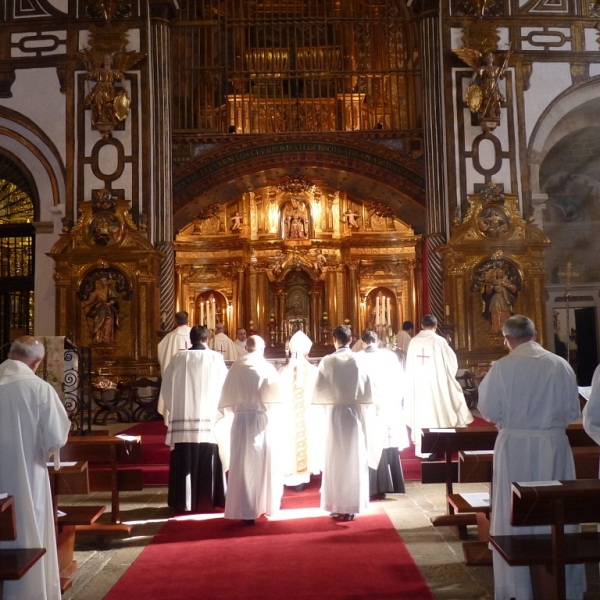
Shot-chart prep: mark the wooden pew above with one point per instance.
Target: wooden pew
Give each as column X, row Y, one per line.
column 14, row 562
column 112, row 450
column 571, row 502
column 451, row 441
column 69, row 480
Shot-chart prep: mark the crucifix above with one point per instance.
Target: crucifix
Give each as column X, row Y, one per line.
column 423, row 356
column 568, row 274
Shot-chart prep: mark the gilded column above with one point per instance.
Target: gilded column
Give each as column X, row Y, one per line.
column 161, row 13
column 353, row 296
column 180, row 298
column 239, row 312
column 435, row 157
column 412, row 308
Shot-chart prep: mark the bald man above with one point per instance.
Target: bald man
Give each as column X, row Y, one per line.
column 33, row 426
column 251, row 450
column 222, row 343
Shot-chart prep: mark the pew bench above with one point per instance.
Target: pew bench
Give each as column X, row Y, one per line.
column 113, row 451
column 566, row 503
column 459, row 439
column 14, row 562
column 70, row 479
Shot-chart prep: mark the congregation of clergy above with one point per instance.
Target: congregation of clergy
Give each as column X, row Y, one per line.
column 346, row 419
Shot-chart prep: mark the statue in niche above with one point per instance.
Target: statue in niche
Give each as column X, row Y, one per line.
column 498, row 282
column 295, row 219
column 102, row 311
column 320, row 261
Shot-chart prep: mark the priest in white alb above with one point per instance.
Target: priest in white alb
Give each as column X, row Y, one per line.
column 343, row 387
column 240, row 342
column 303, row 422
column 403, row 340
column 33, row 427
column 222, row 343
column 434, row 398
column 249, row 436
column 169, row 346
column 192, row 386
column 387, row 377
column 531, row 395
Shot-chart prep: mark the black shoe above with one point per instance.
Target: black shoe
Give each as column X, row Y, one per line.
column 431, row 458
column 299, row 487
column 248, row 521
column 380, row 496
column 349, row 517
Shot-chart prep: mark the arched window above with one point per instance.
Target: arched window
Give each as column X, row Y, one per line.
column 17, row 252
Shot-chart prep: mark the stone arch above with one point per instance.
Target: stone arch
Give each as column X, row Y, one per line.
column 569, row 112
column 340, row 161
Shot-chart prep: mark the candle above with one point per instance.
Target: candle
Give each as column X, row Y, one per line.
column 201, row 313
column 389, row 311
column 214, row 314
column 376, row 311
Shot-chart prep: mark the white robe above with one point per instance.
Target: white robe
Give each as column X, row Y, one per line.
column 388, row 382
column 344, row 388
column 240, row 348
column 33, row 426
column 224, row 345
column 531, row 395
column 169, row 346
column 192, row 385
column 302, row 423
column 591, row 411
column 402, row 341
column 434, row 398
column 249, row 438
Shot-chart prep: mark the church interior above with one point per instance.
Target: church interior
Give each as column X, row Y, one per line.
column 293, row 165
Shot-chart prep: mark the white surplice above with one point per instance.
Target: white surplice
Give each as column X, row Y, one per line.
column 249, row 438
column 402, row 341
column 344, row 387
column 434, row 398
column 223, row 344
column 169, row 346
column 591, row 411
column 33, row 426
column 192, row 385
column 303, row 431
column 388, row 385
column 531, row 395
column 240, row 348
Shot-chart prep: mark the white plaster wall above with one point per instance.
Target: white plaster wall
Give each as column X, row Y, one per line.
column 547, row 81
column 36, row 94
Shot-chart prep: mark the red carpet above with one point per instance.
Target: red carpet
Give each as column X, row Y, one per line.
column 302, row 553
column 155, row 454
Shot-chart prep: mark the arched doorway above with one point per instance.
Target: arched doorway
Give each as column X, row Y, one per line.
column 17, row 252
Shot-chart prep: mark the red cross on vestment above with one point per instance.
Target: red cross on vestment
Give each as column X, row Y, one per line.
column 423, row 356
column 221, row 350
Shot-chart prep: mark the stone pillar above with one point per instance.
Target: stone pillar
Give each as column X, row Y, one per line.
column 161, row 13
column 435, row 157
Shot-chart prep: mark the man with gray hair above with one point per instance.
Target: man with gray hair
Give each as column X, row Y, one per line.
column 33, row 426
column 531, row 395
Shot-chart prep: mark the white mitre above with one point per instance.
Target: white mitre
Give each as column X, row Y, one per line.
column 300, row 344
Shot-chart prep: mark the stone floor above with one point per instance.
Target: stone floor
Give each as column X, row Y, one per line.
column 436, row 551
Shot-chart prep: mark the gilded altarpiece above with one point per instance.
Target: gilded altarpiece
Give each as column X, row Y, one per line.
column 107, row 282
column 493, row 268
column 296, row 255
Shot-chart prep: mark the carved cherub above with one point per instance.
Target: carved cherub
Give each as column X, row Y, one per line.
column 236, row 221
